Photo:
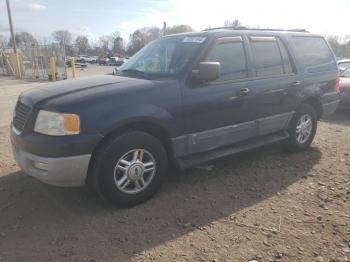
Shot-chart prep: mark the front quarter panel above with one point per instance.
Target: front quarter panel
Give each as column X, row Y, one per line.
column 159, row 105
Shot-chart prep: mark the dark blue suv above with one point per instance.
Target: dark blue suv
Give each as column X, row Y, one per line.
column 185, row 99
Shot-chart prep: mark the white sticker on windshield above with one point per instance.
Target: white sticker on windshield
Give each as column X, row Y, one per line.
column 193, row 40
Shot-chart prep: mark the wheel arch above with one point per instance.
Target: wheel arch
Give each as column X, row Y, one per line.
column 151, row 128
column 315, row 103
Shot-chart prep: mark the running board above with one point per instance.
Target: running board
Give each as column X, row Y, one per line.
column 201, row 158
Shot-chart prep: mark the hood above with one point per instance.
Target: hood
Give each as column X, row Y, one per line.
column 76, row 90
column 344, row 84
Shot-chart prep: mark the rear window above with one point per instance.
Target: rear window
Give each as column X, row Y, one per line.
column 313, row 54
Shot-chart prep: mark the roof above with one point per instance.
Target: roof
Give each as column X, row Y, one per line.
column 256, row 29
column 228, row 30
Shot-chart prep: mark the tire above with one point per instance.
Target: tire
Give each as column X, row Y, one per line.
column 117, row 176
column 301, row 138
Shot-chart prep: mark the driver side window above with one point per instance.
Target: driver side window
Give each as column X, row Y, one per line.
column 231, row 56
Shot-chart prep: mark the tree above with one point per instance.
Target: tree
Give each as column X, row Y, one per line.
column 24, row 39
column 118, row 44
column 82, row 44
column 151, row 33
column 137, row 40
column 340, row 45
column 234, row 24
column 176, row 29
column 63, row 37
column 105, row 42
column 3, row 41
column 142, row 37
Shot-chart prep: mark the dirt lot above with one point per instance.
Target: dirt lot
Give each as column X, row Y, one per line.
column 263, row 205
column 91, row 69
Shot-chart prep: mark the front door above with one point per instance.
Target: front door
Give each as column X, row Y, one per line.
column 215, row 112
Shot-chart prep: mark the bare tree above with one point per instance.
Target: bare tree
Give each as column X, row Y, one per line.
column 82, row 44
column 151, row 33
column 176, row 29
column 63, row 37
column 340, row 45
column 105, row 42
column 24, row 39
column 3, row 41
column 234, row 23
column 137, row 40
column 142, row 37
column 118, row 44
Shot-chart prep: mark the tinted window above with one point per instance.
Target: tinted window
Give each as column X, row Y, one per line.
column 313, row 54
column 232, row 60
column 267, row 56
column 287, row 66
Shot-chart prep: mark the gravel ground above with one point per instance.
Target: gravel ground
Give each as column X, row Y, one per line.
column 261, row 205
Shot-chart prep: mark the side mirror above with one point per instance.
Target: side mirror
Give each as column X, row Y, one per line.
column 207, row 71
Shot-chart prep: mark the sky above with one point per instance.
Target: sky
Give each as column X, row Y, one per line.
column 94, row 18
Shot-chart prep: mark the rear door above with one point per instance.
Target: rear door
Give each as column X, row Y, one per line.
column 274, row 86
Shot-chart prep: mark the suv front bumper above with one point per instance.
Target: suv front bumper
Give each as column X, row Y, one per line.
column 58, row 171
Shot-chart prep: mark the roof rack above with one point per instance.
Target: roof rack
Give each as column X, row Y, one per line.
column 256, row 29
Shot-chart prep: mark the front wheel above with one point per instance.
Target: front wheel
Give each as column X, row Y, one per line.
column 129, row 168
column 302, row 128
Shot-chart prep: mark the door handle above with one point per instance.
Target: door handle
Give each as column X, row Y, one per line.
column 243, row 91
column 296, row 83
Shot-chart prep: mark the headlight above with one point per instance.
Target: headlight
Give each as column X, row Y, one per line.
column 57, row 124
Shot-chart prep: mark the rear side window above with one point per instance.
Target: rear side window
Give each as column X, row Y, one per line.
column 231, row 56
column 313, row 54
column 267, row 56
column 270, row 55
column 287, row 65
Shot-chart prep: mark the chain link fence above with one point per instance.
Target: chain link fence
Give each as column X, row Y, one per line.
column 36, row 62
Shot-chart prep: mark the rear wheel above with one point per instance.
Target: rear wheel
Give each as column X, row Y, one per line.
column 302, row 128
column 129, row 169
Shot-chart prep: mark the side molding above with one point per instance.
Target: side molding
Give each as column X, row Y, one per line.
column 223, row 136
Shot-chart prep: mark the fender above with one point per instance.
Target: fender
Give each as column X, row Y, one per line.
column 122, row 116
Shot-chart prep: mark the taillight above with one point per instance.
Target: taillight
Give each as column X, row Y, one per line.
column 337, row 83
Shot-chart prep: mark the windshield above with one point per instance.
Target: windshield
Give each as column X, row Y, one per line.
column 163, row 57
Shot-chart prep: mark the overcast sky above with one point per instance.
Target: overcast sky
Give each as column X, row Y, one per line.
column 94, row 18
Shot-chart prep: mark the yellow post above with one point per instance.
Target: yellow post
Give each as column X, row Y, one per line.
column 72, row 63
column 53, row 67
column 18, row 67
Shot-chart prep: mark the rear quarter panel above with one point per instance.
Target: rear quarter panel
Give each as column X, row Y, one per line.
column 317, row 82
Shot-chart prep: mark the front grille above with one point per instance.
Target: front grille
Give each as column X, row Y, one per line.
column 21, row 114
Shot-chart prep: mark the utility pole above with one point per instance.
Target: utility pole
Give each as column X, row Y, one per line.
column 13, row 37
column 164, row 28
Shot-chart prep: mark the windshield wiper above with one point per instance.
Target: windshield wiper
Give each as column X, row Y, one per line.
column 136, row 72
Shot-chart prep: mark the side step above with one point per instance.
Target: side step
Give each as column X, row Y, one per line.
column 201, row 158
